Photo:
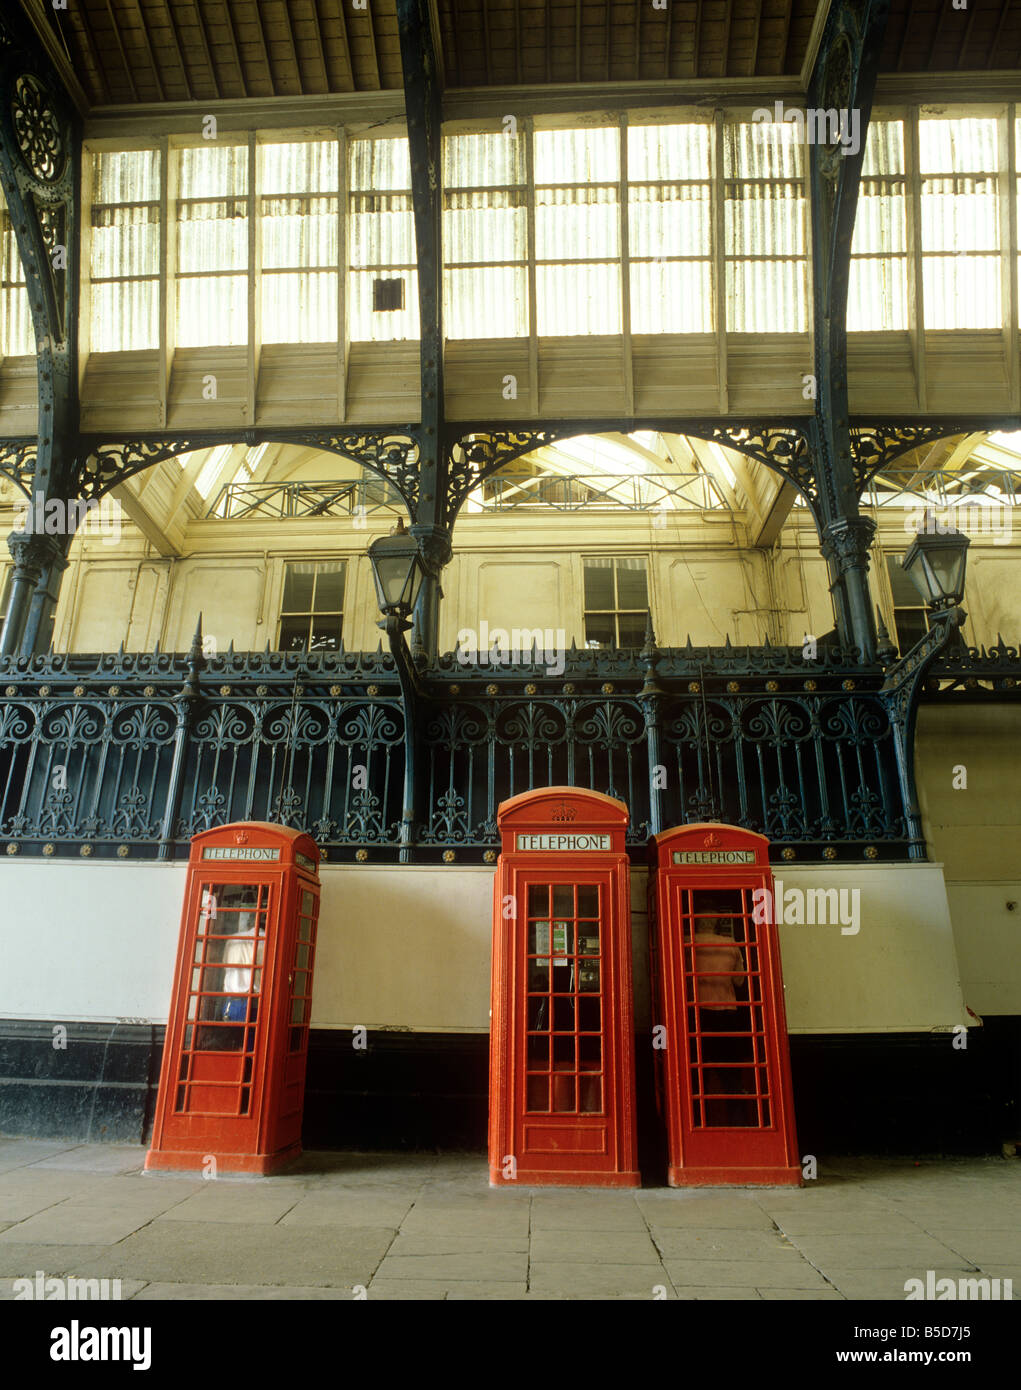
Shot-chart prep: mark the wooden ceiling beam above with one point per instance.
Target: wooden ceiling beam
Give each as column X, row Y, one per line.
column 348, row 51
column 207, row 51
column 260, row 31
column 517, row 39
column 786, row 37
column 937, row 30
column 317, row 34
column 433, row 8
column 82, row 16
column 577, row 37
column 485, row 40
column 756, row 27
column 168, row 10
column 148, row 49
column 638, row 37
column 696, row 61
column 904, row 34
column 455, row 53
column 967, row 35
column 669, row 36
column 994, row 47
column 124, row 56
column 372, row 45
column 234, row 46
column 727, row 16
column 292, row 46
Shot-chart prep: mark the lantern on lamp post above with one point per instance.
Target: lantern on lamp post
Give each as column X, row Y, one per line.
column 936, row 562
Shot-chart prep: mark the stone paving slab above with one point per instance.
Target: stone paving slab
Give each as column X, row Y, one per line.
column 981, row 1247
column 91, row 1225
column 875, row 1251
column 19, row 1260
column 846, row 1223
column 230, row 1292
column 129, row 1288
column 769, row 1274
column 380, row 1207
column 96, row 1158
column 619, row 1247
column 14, row 1153
column 572, row 1211
column 501, row 1266
column 666, row 1210
column 609, row 1280
column 888, row 1284
column 724, row 1293
column 429, row 1227
column 440, row 1289
column 481, row 1243
column 808, row 1295
column 233, row 1254
column 228, row 1205
column 704, row 1244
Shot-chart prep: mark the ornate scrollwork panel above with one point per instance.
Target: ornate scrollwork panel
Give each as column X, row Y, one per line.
column 393, row 454
column 106, row 465
column 17, row 462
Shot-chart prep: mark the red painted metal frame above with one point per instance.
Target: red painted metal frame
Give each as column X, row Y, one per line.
column 240, row 1105
column 700, row 1153
column 583, row 1147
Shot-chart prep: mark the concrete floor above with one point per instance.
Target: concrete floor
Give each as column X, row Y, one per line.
column 414, row 1226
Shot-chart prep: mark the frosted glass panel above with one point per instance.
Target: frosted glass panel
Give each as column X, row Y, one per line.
column 212, row 311
column 578, row 223
column 489, row 302
column 300, row 307
column 577, row 299
column 668, row 152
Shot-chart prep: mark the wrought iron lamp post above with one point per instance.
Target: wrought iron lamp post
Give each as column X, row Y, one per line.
column 397, row 572
column 936, row 562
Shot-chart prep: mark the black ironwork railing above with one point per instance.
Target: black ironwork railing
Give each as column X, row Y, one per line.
column 131, row 754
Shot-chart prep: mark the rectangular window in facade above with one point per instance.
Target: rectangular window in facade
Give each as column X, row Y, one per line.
column 877, row 299
column 299, row 240
column 312, row 611
column 765, row 239
column 381, row 239
column 17, row 335
column 910, row 615
column 212, row 246
column 485, row 236
column 960, row 223
column 124, row 265
column 616, row 601
column 670, row 228
column 577, row 232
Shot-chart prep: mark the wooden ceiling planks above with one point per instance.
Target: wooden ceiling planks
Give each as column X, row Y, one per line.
column 933, row 36
column 147, row 51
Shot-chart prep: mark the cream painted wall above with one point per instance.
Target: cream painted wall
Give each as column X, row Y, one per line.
column 410, row 948
column 705, row 580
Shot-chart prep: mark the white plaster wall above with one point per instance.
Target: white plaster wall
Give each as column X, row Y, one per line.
column 410, row 947
column 988, row 937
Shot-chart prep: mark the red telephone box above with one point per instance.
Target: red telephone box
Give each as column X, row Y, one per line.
column 232, row 1083
column 561, row 1090
column 724, row 1066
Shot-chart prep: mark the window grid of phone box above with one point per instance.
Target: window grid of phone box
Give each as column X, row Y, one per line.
column 222, row 1010
column 564, row 1026
column 728, row 1072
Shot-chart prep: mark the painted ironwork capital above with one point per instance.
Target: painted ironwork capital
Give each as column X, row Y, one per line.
column 846, row 540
